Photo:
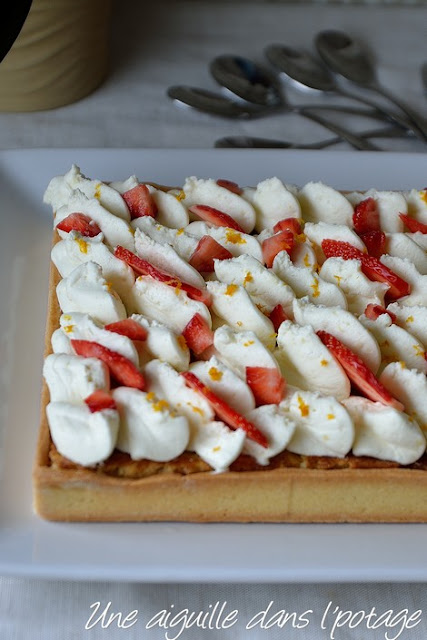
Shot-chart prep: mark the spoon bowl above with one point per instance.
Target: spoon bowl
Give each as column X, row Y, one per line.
column 307, row 71
column 251, row 82
column 246, row 79
column 346, row 57
column 343, row 55
column 207, row 101
column 300, row 67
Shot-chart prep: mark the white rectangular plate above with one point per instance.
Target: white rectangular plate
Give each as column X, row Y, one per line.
column 163, row 552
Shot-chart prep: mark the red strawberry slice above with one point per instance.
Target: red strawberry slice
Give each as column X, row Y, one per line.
column 79, row 222
column 277, row 316
column 230, row 185
column 366, row 216
column 266, row 384
column 358, row 372
column 371, row 267
column 374, row 242
column 145, row 268
column 99, row 400
column 129, row 328
column 373, row 311
column 224, row 411
column 340, row 249
column 215, row 217
column 198, row 334
column 140, row 202
column 206, row 252
column 288, row 224
column 281, row 241
column 376, row 270
column 121, row 368
column 412, row 224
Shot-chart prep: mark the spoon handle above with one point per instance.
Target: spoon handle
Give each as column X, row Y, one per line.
column 369, row 113
column 250, row 142
column 356, row 141
column 418, row 123
column 389, row 115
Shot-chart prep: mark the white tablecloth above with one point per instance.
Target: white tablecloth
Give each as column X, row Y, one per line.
column 151, row 49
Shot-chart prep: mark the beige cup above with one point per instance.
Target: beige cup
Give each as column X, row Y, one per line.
column 60, row 55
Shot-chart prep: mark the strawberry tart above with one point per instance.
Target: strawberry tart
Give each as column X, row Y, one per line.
column 226, row 353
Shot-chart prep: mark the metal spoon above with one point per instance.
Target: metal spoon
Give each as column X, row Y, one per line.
column 424, row 76
column 256, row 85
column 344, row 56
column 214, row 103
column 306, row 71
column 250, row 142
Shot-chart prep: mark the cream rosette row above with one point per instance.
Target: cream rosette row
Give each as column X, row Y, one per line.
column 170, row 247
column 170, row 418
column 253, row 208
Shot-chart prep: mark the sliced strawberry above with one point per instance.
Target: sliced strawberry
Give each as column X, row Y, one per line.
column 206, row 252
column 281, row 241
column 366, row 216
column 373, row 311
column 99, row 400
column 198, row 334
column 230, row 185
column 412, row 224
column 374, row 242
column 121, row 368
column 215, row 217
column 145, row 268
column 288, row 224
column 376, row 270
column 129, row 328
column 266, row 384
column 371, row 267
column 79, row 222
column 224, row 411
column 140, row 202
column 358, row 372
column 277, row 316
column 340, row 249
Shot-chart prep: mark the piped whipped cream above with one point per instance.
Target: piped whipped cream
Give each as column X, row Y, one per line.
column 81, row 326
column 162, row 343
column 396, row 344
column 166, row 258
column 85, row 290
column 234, row 304
column 225, row 383
column 81, row 436
column 321, row 203
column 71, row 378
column 262, row 284
column 384, row 433
column 317, row 416
column 70, row 253
column 358, row 290
column 236, row 242
column 343, row 325
column 61, row 189
column 312, row 366
column 308, row 282
column 155, row 300
column 323, row 426
column 208, row 192
column 148, row 429
column 116, row 230
column 274, row 202
column 389, row 205
column 241, row 349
